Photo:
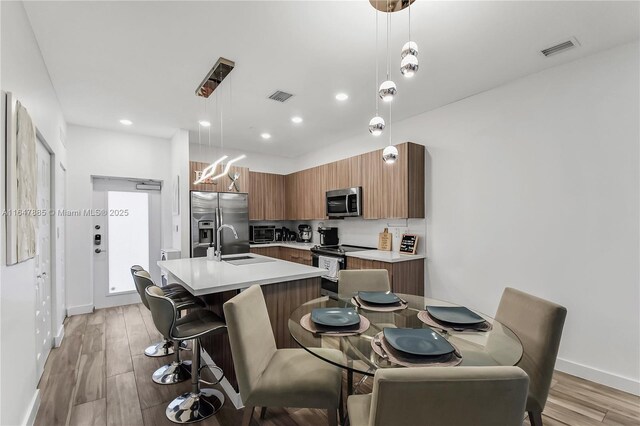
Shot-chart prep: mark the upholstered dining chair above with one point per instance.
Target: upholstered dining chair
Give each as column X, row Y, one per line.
column 351, row 281
column 538, row 324
column 271, row 377
column 442, row 396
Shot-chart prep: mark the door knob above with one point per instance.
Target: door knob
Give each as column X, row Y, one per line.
column 98, row 250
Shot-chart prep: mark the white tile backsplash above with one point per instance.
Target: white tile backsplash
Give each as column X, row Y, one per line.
column 360, row 232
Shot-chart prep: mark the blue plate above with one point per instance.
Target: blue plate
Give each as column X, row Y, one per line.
column 455, row 315
column 335, row 317
column 378, row 297
column 417, row 341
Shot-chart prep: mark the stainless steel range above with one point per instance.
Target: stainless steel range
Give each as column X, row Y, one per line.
column 333, row 258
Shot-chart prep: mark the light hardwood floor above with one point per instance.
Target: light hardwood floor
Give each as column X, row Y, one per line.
column 100, row 376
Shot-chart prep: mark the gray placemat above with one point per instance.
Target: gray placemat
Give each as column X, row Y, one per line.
column 432, row 322
column 377, row 308
column 407, row 360
column 312, row 327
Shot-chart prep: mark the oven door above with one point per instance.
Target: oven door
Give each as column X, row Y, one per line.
column 329, row 286
column 264, row 234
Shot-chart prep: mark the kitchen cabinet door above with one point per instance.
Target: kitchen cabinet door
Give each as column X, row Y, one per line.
column 274, row 197
column 347, row 173
column 257, row 194
column 375, row 188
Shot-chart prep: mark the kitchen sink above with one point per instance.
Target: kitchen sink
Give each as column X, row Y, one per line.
column 247, row 260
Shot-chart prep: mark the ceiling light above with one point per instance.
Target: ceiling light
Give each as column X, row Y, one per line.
column 342, row 96
column 387, row 90
column 390, row 154
column 126, row 122
column 409, row 66
column 376, row 125
column 296, row 120
column 204, row 123
column 409, row 48
column 265, row 136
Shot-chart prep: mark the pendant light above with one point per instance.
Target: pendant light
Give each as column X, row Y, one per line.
column 209, row 172
column 409, row 54
column 390, row 153
column 388, row 88
column 376, row 124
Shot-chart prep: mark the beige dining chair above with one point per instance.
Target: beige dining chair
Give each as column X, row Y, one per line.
column 351, row 281
column 271, row 377
column 538, row 324
column 442, row 396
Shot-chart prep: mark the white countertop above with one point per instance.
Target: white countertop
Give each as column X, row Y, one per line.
column 384, row 256
column 201, row 276
column 299, row 246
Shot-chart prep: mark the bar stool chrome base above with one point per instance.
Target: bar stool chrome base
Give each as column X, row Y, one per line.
column 173, row 373
column 194, row 407
column 163, row 348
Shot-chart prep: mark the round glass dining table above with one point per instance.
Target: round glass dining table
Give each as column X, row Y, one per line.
column 498, row 346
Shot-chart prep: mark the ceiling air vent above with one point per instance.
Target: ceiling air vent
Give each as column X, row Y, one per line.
column 560, row 47
column 280, row 96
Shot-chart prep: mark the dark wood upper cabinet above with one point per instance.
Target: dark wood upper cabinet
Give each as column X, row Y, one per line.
column 267, row 199
column 388, row 190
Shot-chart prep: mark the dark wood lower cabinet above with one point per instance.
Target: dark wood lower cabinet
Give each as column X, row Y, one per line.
column 281, row 299
column 405, row 277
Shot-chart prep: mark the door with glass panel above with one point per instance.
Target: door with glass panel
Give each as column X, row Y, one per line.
column 126, row 231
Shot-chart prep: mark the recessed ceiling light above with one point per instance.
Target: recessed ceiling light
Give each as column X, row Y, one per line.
column 204, row 123
column 265, row 136
column 126, row 122
column 342, row 96
column 296, row 119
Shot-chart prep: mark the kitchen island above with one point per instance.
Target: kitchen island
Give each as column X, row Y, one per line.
column 285, row 285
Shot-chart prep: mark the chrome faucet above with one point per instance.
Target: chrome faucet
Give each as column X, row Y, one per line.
column 218, row 245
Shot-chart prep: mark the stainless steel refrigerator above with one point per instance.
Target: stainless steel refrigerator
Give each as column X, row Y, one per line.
column 211, row 209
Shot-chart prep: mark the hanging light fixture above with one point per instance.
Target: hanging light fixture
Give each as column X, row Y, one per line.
column 388, row 88
column 208, row 174
column 376, row 124
column 409, row 54
column 390, row 153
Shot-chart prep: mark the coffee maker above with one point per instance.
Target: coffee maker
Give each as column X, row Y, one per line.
column 328, row 236
column 305, row 234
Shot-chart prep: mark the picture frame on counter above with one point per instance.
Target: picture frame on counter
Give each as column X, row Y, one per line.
column 409, row 244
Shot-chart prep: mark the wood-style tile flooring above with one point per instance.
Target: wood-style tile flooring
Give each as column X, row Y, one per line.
column 100, row 376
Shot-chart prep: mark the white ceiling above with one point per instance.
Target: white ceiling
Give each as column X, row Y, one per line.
column 143, row 60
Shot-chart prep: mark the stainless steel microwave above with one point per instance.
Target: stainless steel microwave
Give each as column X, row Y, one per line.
column 344, row 202
column 262, row 234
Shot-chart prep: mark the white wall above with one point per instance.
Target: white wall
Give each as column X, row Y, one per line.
column 535, row 185
column 24, row 73
column 180, row 169
column 94, row 152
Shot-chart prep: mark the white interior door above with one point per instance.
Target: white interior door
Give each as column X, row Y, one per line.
column 43, row 259
column 126, row 232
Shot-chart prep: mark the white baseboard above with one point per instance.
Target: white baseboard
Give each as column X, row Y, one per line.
column 32, row 410
column 79, row 310
column 57, row 340
column 606, row 378
column 233, row 396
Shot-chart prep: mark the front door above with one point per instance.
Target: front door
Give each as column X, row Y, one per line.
column 43, row 259
column 126, row 232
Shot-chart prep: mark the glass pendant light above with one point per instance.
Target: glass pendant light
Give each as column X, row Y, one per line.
column 409, row 66
column 376, row 124
column 390, row 153
column 409, row 54
column 388, row 88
